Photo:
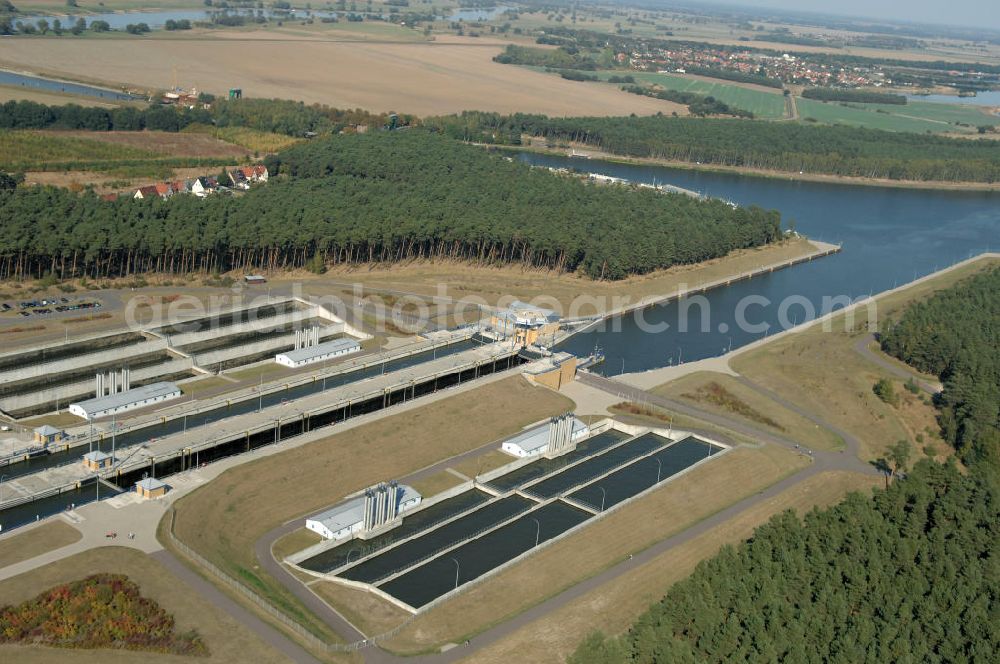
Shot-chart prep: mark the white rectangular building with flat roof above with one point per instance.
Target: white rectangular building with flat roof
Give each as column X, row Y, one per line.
column 318, row 353
column 348, row 517
column 137, row 397
column 535, row 440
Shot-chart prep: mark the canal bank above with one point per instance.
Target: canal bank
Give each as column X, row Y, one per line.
column 652, row 378
column 889, row 237
column 821, row 249
column 590, row 154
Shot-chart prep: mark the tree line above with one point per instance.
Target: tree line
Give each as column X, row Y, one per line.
column 273, row 115
column 857, row 96
column 698, row 104
column 376, row 197
column 756, row 144
column 908, row 575
column 955, row 335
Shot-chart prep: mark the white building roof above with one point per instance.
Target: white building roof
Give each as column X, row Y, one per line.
column 352, row 512
column 135, row 395
column 47, row 430
column 304, row 354
column 522, row 313
column 96, row 455
column 150, row 484
column 537, row 438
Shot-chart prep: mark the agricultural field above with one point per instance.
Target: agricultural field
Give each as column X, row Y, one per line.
column 915, row 116
column 123, row 154
column 448, row 75
column 763, row 104
column 262, row 142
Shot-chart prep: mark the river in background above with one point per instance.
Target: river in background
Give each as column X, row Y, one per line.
column 53, row 85
column 157, row 19
column 889, row 235
column 986, row 98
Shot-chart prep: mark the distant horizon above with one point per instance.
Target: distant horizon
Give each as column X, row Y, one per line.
column 971, row 14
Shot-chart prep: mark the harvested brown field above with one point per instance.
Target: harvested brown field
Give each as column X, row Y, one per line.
column 164, row 143
column 424, row 78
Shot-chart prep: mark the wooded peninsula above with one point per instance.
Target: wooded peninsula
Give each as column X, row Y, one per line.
column 377, row 197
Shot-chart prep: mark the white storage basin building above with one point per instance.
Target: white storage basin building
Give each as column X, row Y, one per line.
column 348, row 517
column 536, row 439
column 319, row 353
column 137, row 397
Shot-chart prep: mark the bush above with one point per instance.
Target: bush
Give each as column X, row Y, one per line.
column 885, row 391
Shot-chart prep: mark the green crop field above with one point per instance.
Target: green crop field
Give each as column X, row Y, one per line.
column 952, row 113
column 764, row 105
column 915, row 116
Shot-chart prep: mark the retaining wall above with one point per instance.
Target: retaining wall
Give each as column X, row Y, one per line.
column 85, row 389
column 226, row 354
column 100, row 357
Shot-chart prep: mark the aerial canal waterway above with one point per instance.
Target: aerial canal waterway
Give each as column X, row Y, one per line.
column 890, row 236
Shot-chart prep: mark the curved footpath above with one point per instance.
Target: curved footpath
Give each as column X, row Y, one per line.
column 863, row 347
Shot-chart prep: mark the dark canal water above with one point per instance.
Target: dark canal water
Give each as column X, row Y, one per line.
column 889, row 236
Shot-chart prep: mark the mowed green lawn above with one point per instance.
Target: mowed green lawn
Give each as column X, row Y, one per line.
column 764, row 105
column 915, row 116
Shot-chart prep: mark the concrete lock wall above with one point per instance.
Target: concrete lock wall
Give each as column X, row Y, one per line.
column 100, row 357
column 226, row 354
column 84, row 338
column 83, row 390
column 324, row 313
column 249, row 326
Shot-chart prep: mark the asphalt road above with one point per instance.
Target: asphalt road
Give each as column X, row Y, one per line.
column 863, row 346
column 268, row 634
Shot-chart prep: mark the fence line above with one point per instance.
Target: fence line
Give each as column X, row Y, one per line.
column 313, row 640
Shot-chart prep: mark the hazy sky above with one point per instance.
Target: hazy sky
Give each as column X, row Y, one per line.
column 975, row 13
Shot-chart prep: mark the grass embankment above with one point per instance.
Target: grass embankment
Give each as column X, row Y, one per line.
column 628, row 530
column 227, row 640
column 224, row 519
column 576, row 295
column 725, row 395
column 613, row 607
column 294, row 541
column 35, row 542
column 822, row 372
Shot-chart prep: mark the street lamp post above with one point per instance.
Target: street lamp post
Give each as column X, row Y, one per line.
column 604, row 494
column 457, row 568
column 659, row 468
column 538, row 530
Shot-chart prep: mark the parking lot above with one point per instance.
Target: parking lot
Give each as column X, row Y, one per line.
column 47, row 306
